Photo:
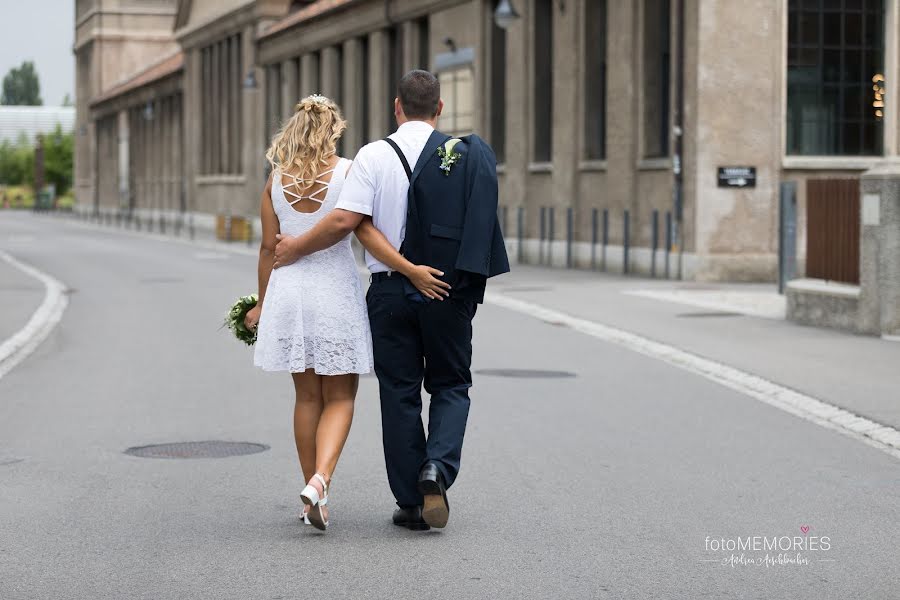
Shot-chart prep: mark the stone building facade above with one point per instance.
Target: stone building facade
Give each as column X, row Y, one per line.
column 618, row 125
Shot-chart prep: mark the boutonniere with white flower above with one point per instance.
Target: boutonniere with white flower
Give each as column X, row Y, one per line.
column 449, row 157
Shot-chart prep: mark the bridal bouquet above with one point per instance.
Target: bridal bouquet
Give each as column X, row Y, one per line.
column 234, row 320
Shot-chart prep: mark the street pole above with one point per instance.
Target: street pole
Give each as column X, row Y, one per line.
column 677, row 159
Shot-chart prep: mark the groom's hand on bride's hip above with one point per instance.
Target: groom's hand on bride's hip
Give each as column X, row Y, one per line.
column 286, row 251
column 425, row 279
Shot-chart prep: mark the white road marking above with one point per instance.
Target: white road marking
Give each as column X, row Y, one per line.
column 886, row 439
column 25, row 341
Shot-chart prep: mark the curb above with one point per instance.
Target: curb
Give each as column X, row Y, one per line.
column 25, row 341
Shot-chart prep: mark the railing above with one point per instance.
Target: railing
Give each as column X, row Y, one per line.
column 832, row 229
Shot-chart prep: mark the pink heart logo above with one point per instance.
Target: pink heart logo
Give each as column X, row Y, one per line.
column 804, row 528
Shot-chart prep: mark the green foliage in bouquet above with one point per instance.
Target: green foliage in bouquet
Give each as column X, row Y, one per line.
column 234, row 320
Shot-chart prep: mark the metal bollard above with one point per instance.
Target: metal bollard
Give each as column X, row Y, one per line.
column 605, row 234
column 542, row 235
column 655, row 242
column 570, row 216
column 668, row 240
column 594, row 213
column 521, row 233
column 626, row 242
column 551, row 235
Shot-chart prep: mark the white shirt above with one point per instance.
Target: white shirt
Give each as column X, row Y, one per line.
column 377, row 184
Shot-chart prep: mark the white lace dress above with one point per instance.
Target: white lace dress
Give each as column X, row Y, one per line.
column 314, row 313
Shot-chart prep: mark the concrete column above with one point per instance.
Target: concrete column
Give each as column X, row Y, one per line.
column 377, row 72
column 289, row 85
column 228, row 93
column 237, row 68
column 412, row 41
column 354, row 104
column 191, row 105
column 567, row 118
column 879, row 253
column 309, row 74
column 253, row 136
column 124, row 162
column 513, row 192
column 331, row 73
column 891, row 72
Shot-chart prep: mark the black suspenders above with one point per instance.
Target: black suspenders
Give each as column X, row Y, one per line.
column 401, row 156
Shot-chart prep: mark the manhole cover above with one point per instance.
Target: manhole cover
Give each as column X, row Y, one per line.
column 207, row 449
column 526, row 373
column 700, row 315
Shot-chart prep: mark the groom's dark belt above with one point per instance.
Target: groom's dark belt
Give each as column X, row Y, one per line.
column 385, row 276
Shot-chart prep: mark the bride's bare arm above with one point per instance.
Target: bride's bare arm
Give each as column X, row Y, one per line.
column 423, row 277
column 270, row 229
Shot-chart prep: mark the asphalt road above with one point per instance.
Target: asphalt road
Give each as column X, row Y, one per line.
column 602, row 485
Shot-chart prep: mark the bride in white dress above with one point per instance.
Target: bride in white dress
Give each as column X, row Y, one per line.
column 311, row 316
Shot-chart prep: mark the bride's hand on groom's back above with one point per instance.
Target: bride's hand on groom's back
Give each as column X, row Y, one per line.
column 425, row 279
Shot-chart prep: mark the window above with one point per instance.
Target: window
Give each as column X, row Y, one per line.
column 835, row 77
column 542, row 80
column 498, row 91
column 221, row 87
column 458, row 94
column 655, row 89
column 395, row 68
column 595, row 80
column 363, row 125
column 424, row 43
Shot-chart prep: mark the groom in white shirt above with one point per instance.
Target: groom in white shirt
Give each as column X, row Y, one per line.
column 414, row 338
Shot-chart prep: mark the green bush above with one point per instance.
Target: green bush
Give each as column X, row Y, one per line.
column 59, row 159
column 17, row 160
column 17, row 196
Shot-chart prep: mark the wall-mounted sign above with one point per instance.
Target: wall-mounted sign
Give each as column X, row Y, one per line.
column 739, row 177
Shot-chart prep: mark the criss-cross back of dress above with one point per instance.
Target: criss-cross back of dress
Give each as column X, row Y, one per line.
column 295, row 188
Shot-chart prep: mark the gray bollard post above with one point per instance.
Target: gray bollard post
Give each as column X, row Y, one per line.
column 605, row 234
column 521, row 233
column 569, row 235
column 668, row 240
column 543, row 233
column 655, row 242
column 626, row 242
column 551, row 235
column 593, row 238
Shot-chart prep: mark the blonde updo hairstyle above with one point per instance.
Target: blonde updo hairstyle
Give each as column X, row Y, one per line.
column 308, row 139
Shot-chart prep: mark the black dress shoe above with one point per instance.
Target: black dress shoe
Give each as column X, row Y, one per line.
column 436, row 511
column 411, row 518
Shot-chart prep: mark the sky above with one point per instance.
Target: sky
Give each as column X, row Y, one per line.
column 42, row 31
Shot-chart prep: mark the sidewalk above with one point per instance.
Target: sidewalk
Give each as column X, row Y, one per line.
column 740, row 325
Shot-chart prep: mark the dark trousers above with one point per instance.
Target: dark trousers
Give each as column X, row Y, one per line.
column 416, row 342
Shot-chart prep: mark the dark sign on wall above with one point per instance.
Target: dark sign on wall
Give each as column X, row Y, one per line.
column 737, row 177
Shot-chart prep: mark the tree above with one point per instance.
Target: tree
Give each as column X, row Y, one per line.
column 58, row 159
column 21, row 86
column 17, row 162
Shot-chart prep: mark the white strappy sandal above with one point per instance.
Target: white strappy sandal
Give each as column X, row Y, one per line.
column 310, row 497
